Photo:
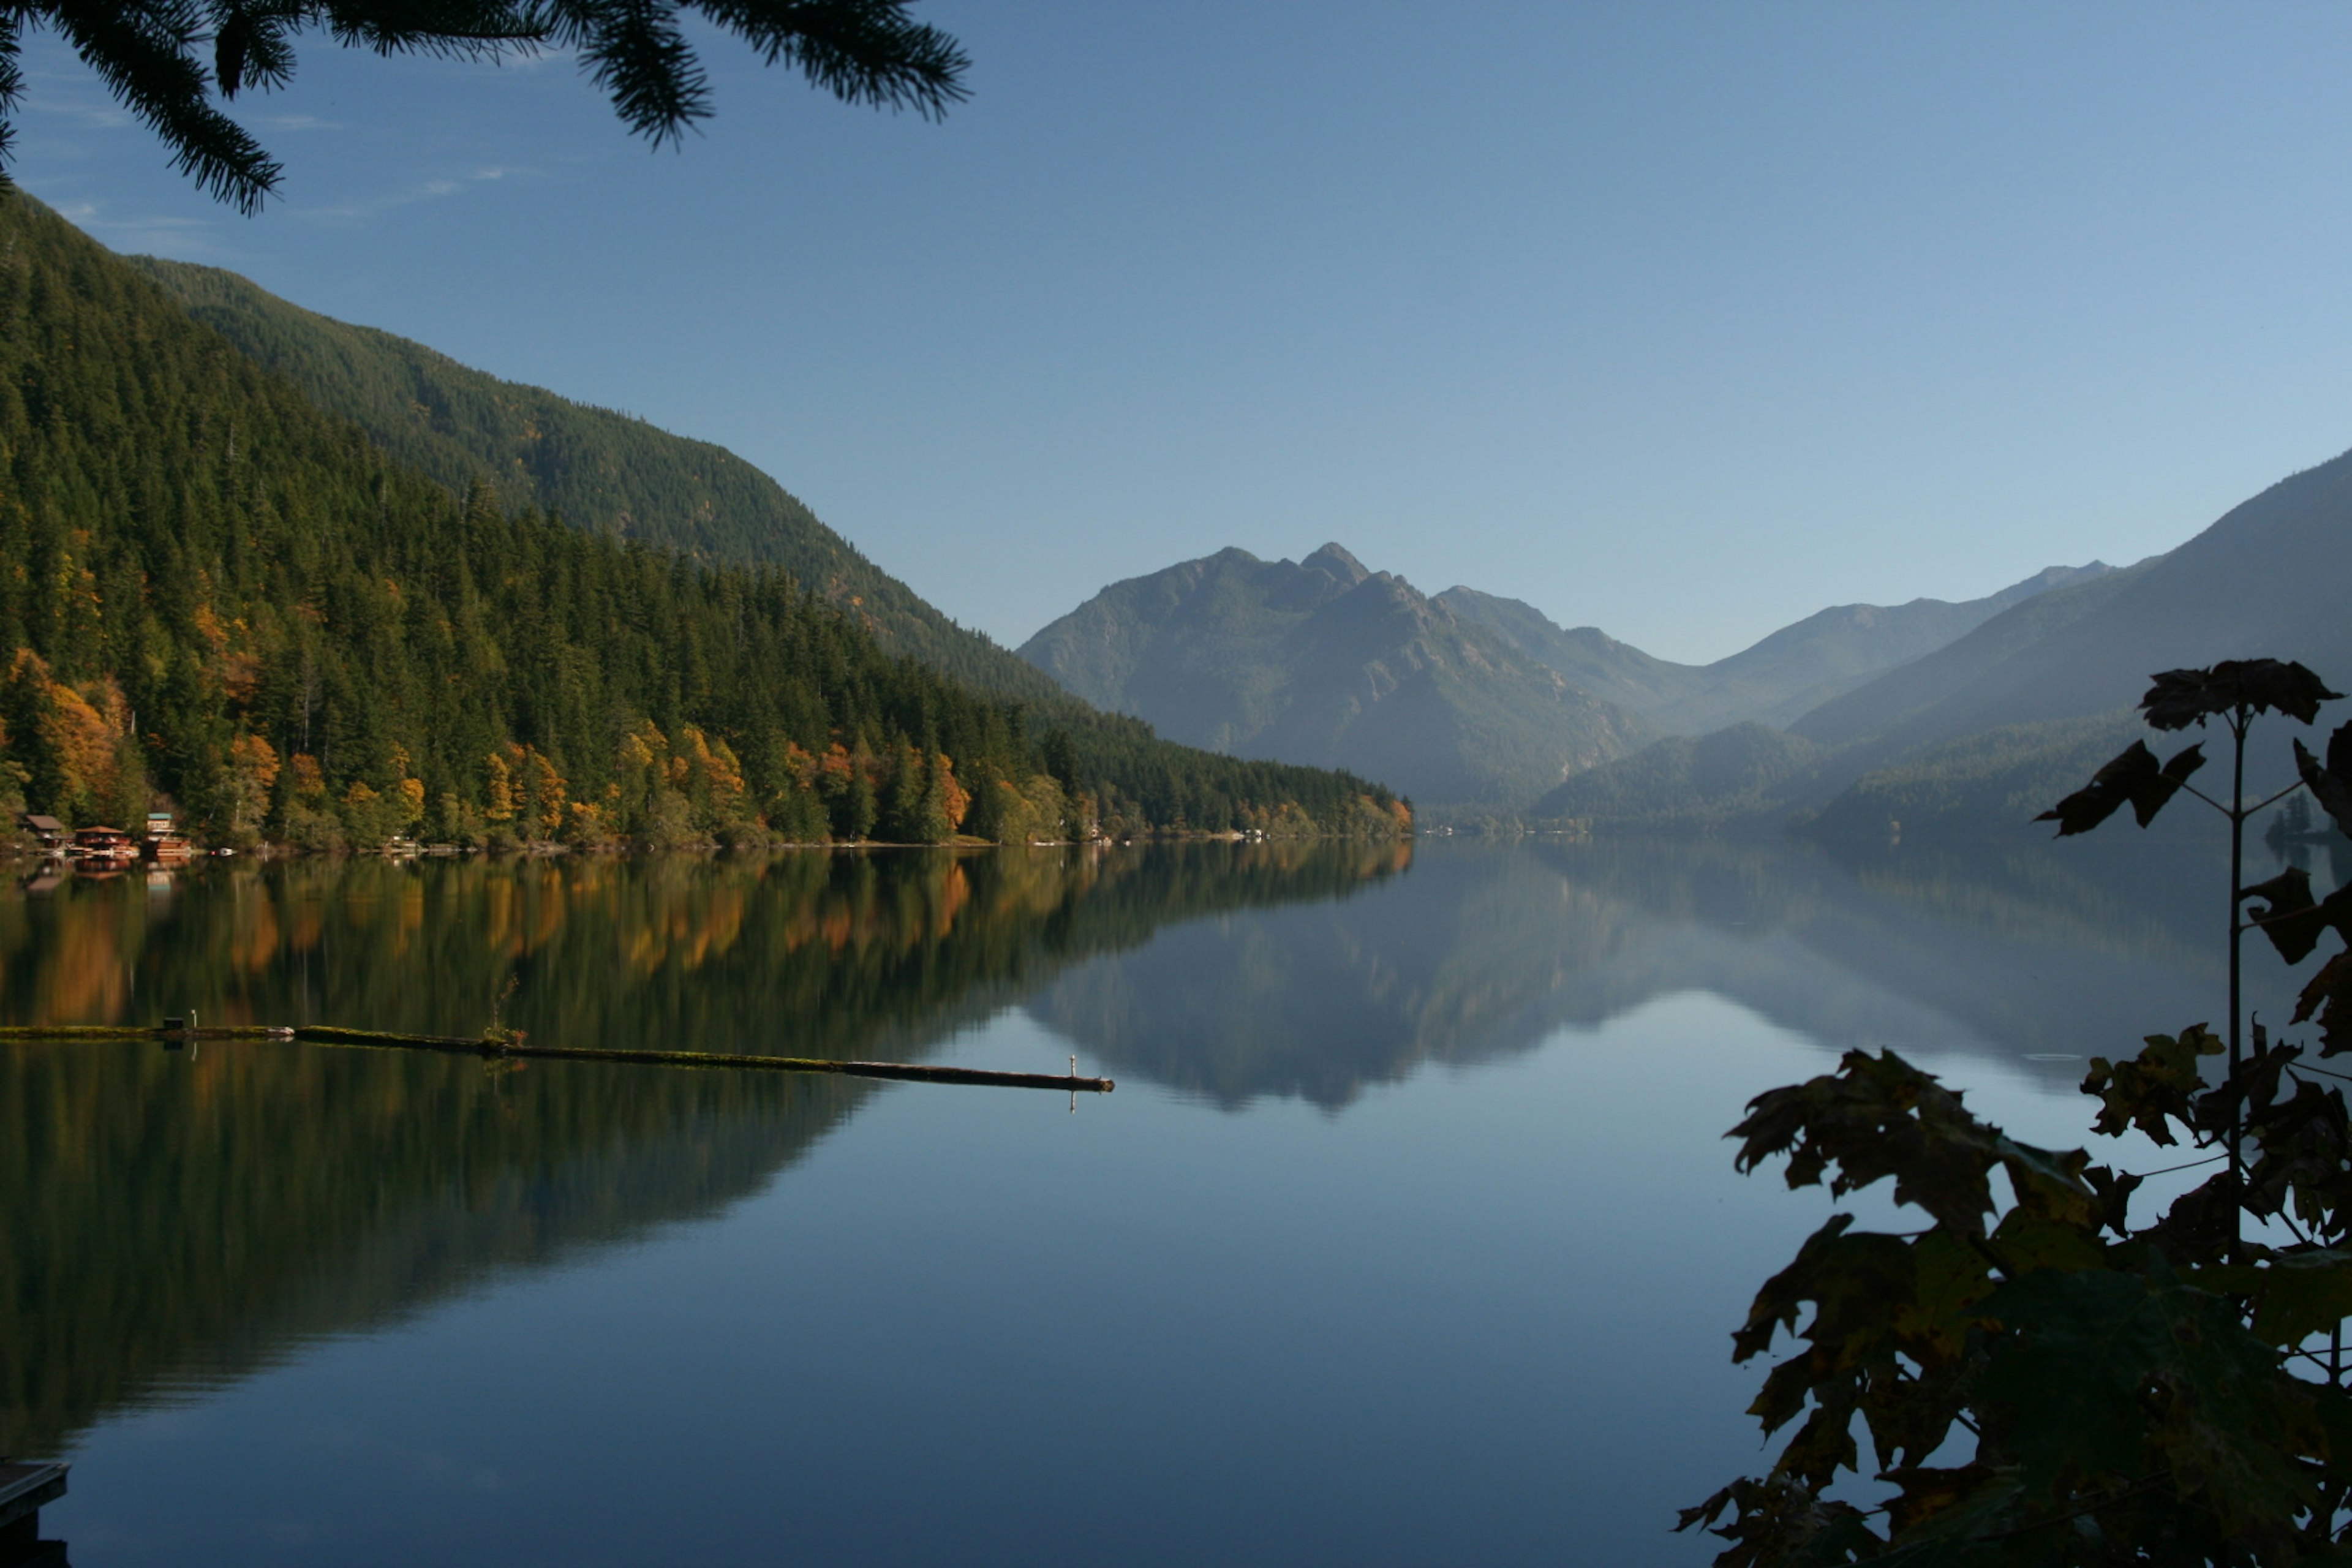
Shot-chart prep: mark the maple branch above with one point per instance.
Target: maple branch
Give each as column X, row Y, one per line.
column 2184, row 1165
column 2207, row 799
column 2273, row 800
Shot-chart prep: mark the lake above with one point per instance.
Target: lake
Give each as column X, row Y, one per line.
column 1409, row 1235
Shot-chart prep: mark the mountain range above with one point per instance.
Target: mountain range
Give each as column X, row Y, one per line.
column 1987, row 729
column 1461, row 698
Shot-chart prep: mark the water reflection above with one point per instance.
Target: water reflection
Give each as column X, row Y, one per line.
column 2032, row 955
column 181, row 1218
column 804, row 954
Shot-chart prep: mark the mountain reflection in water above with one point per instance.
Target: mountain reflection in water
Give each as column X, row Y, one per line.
column 2023, row 953
column 177, row 1219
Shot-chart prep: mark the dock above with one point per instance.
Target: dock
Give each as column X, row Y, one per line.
column 26, row 1487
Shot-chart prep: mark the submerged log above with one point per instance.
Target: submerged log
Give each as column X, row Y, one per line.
column 326, row 1035
column 172, row 1032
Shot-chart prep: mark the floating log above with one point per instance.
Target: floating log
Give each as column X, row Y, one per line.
column 325, row 1035
column 167, row 1032
column 173, row 1033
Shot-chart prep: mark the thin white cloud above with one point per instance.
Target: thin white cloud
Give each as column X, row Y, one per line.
column 93, row 115
column 425, row 191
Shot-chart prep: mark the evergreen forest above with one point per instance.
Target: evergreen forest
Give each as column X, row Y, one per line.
column 597, row 469
column 217, row 596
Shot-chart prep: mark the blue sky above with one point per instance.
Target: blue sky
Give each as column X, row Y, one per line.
column 1683, row 319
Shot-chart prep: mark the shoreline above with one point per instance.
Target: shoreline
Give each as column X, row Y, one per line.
column 21, row 852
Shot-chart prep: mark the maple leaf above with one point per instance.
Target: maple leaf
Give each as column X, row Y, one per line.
column 2180, row 697
column 2132, row 777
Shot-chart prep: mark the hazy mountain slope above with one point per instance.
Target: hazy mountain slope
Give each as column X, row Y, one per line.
column 2273, row 577
column 1773, row 682
column 598, row 468
column 1880, row 705
column 1585, row 655
column 1865, row 761
column 1982, row 733
column 1323, row 660
column 1801, row 666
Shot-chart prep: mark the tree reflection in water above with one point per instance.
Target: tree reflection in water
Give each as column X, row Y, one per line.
column 179, row 1218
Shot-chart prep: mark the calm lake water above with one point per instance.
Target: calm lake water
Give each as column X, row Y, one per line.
column 1408, row 1238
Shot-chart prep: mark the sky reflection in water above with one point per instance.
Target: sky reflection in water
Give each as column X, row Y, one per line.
column 1409, row 1235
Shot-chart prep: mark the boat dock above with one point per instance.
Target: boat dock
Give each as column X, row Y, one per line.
column 26, row 1487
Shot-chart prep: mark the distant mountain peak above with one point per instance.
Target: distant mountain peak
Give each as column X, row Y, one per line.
column 1327, row 658
column 2049, row 578
column 1334, row 561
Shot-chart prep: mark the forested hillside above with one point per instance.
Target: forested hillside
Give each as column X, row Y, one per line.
column 216, row 591
column 592, row 468
column 1743, row 776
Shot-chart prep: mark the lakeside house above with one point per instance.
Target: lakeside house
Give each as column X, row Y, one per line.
column 165, row 845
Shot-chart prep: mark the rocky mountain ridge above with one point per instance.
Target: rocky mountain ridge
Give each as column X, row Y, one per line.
column 1461, row 699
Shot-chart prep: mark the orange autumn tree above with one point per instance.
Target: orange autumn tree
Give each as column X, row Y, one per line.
column 253, row 770
column 76, row 747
